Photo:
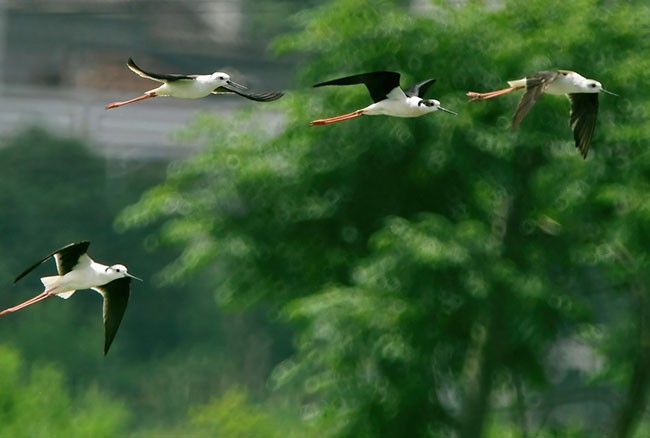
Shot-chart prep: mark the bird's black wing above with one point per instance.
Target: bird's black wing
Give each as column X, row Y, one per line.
column 159, row 77
column 66, row 258
column 535, row 86
column 267, row 96
column 420, row 88
column 378, row 83
column 116, row 297
column 582, row 119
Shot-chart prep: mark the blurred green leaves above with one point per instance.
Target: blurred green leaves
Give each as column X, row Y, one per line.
column 37, row 403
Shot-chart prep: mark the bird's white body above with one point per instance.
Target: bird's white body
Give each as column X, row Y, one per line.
column 567, row 82
column 398, row 104
column 196, row 88
column 87, row 274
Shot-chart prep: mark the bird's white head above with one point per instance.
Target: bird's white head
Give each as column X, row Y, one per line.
column 431, row 105
column 591, row 86
column 119, row 271
column 220, row 77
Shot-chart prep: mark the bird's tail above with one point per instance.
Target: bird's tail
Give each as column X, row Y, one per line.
column 50, row 286
column 519, row 83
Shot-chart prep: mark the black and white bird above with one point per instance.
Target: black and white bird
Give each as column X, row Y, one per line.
column 389, row 99
column 582, row 92
column 78, row 271
column 193, row 87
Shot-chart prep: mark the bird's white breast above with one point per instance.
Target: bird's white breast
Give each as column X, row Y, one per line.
column 405, row 107
column 188, row 89
column 84, row 276
column 566, row 84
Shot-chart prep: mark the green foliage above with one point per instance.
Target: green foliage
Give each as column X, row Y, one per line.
column 233, row 415
column 36, row 403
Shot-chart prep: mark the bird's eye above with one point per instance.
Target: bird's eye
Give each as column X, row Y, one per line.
column 592, row 85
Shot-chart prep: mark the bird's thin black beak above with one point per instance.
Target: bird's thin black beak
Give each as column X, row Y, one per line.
column 609, row 92
column 134, row 277
column 447, row 111
column 236, row 85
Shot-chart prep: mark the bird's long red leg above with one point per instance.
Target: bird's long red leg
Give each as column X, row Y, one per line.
column 29, row 302
column 126, row 102
column 473, row 95
column 340, row 118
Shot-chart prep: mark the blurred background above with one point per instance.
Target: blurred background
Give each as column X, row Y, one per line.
column 439, row 276
column 63, row 61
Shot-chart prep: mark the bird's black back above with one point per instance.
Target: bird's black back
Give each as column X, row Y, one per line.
column 165, row 77
column 378, row 83
column 66, row 258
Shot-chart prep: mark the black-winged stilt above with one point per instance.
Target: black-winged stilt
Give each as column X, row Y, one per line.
column 78, row 271
column 193, row 87
column 582, row 92
column 389, row 99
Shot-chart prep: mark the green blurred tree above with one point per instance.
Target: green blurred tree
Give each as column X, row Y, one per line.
column 36, row 403
column 435, row 268
column 233, row 415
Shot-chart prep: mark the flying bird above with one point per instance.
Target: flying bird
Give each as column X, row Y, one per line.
column 193, row 87
column 78, row 271
column 389, row 99
column 582, row 92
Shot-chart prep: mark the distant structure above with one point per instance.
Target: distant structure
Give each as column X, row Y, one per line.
column 74, row 43
column 60, row 61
